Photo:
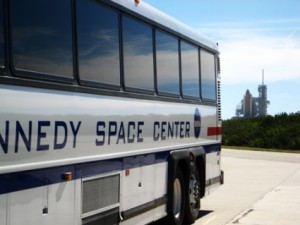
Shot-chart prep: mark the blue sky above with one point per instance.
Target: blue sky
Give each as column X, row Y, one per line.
column 253, row 35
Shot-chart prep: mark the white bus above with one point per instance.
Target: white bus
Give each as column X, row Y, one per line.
column 109, row 114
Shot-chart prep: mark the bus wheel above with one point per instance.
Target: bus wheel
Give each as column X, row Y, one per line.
column 177, row 215
column 192, row 196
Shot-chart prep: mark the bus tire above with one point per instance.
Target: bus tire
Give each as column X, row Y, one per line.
column 193, row 195
column 178, row 204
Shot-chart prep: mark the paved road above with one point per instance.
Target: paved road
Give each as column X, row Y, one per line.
column 260, row 189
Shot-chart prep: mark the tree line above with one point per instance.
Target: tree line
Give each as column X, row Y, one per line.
column 281, row 131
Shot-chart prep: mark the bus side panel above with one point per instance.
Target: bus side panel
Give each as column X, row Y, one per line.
column 138, row 184
column 138, row 187
column 142, row 186
column 54, row 127
column 3, row 209
column 161, row 184
column 47, row 205
column 213, row 171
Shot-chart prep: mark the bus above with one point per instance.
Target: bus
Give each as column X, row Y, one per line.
column 110, row 114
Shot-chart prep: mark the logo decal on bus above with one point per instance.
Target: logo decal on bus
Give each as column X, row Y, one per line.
column 197, row 123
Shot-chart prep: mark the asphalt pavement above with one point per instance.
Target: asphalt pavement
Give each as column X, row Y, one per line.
column 261, row 188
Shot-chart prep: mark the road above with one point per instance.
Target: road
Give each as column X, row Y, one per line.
column 260, row 188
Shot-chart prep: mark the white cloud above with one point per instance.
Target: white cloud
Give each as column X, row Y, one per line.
column 247, row 48
column 242, row 61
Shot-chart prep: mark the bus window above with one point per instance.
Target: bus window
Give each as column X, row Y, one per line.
column 98, row 43
column 1, row 35
column 167, row 61
column 190, row 70
column 138, row 55
column 42, row 36
column 208, row 75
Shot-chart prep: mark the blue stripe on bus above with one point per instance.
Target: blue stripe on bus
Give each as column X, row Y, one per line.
column 212, row 148
column 36, row 178
column 96, row 168
column 30, row 179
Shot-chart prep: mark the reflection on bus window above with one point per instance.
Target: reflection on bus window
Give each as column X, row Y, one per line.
column 1, row 35
column 190, row 70
column 167, row 61
column 98, row 43
column 208, row 75
column 42, row 36
column 138, row 54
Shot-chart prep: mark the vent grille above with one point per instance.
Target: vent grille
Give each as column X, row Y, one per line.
column 219, row 100
column 100, row 193
column 219, row 65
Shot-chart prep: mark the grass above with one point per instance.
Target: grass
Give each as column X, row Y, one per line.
column 261, row 149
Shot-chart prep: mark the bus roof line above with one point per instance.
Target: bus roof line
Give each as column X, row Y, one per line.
column 159, row 17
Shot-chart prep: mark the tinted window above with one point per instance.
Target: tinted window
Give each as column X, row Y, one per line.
column 42, row 36
column 1, row 35
column 167, row 61
column 98, row 43
column 138, row 54
column 190, row 70
column 208, row 75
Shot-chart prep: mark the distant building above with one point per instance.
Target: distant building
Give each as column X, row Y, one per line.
column 251, row 106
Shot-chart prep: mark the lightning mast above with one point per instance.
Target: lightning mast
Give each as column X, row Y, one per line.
column 262, row 99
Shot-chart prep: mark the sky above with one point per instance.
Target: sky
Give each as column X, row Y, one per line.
column 253, row 35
